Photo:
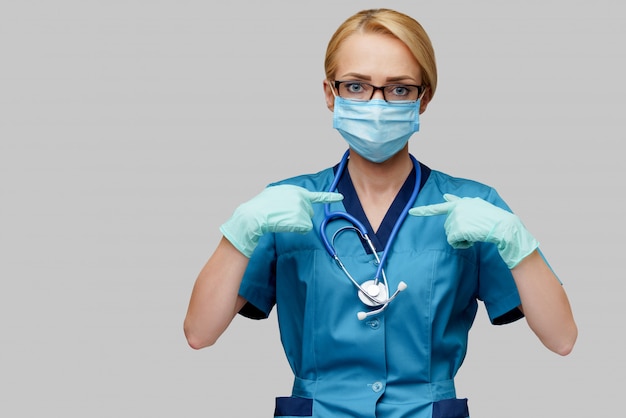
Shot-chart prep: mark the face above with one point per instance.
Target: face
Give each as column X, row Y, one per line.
column 376, row 59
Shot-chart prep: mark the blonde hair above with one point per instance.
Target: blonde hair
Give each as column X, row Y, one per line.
column 387, row 22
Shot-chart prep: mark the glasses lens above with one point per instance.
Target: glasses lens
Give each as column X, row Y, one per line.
column 354, row 90
column 401, row 93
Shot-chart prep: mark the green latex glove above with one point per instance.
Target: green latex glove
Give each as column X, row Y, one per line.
column 473, row 220
column 283, row 208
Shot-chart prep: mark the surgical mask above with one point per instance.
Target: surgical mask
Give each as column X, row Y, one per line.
column 376, row 129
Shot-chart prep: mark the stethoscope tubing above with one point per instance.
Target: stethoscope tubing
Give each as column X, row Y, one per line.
column 328, row 216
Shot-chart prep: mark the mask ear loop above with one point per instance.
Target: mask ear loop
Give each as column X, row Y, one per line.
column 423, row 93
column 332, row 88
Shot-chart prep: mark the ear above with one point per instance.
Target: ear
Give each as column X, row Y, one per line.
column 425, row 100
column 329, row 96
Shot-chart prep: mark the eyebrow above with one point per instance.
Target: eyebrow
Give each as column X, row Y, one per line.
column 368, row 78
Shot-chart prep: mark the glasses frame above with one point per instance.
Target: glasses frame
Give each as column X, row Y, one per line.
column 420, row 90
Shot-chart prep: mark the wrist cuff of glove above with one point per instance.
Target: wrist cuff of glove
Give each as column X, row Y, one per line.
column 243, row 240
column 517, row 245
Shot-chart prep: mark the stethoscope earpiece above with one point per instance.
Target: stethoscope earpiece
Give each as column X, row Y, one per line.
column 383, row 305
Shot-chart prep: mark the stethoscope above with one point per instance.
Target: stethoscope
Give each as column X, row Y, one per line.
column 373, row 293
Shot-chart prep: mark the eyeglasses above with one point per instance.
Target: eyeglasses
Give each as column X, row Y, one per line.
column 392, row 93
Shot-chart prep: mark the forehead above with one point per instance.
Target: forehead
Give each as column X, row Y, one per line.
column 377, row 56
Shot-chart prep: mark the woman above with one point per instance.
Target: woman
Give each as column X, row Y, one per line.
column 377, row 333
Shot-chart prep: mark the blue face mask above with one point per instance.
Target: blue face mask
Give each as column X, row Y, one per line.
column 375, row 129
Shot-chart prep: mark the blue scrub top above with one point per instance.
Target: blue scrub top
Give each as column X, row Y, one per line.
column 402, row 361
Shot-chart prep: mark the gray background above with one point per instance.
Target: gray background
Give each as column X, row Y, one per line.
column 131, row 129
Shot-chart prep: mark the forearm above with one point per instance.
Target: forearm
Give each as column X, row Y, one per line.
column 214, row 300
column 545, row 304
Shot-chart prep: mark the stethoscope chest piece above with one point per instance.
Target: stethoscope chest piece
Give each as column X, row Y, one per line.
column 373, row 293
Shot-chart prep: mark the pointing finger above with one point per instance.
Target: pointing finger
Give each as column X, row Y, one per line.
column 430, row 210
column 324, row 197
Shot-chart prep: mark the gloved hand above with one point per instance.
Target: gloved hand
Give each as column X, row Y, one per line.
column 282, row 208
column 473, row 220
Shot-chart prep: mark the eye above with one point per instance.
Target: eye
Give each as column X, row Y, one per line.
column 400, row 91
column 354, row 88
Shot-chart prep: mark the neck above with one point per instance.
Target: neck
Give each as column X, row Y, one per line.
column 371, row 179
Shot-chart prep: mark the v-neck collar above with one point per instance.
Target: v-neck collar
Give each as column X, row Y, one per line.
column 353, row 205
